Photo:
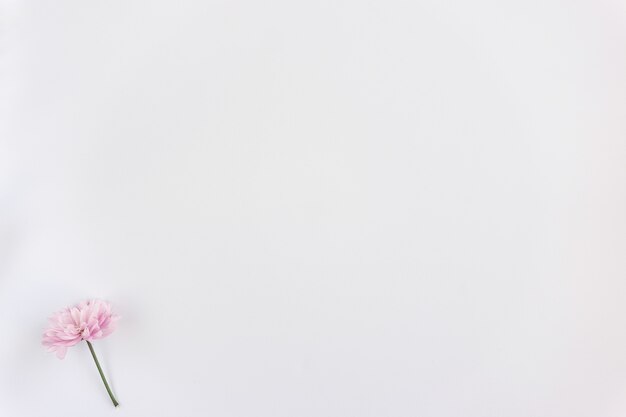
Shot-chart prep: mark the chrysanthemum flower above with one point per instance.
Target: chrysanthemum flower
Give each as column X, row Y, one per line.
column 88, row 321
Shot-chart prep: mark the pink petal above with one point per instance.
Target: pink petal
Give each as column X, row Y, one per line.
column 61, row 351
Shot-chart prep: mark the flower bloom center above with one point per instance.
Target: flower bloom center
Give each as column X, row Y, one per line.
column 82, row 330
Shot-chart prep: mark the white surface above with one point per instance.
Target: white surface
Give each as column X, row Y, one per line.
column 323, row 208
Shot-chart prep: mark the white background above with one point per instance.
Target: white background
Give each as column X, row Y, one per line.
column 321, row 208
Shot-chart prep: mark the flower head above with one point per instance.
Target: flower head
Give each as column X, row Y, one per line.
column 88, row 320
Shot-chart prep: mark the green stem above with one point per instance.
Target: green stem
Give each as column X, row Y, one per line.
column 95, row 358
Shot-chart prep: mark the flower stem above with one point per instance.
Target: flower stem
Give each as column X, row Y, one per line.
column 95, row 358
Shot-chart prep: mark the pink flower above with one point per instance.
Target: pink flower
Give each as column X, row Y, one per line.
column 88, row 320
